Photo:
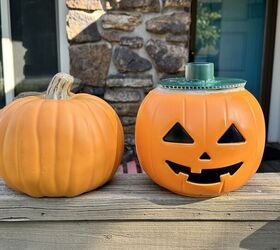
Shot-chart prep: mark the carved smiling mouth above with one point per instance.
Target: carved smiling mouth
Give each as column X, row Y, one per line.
column 207, row 176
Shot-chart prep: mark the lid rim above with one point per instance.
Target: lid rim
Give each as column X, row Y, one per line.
column 216, row 83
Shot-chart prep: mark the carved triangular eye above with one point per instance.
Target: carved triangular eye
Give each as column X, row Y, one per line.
column 178, row 134
column 232, row 135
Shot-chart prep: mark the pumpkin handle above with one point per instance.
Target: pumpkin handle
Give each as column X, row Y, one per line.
column 59, row 87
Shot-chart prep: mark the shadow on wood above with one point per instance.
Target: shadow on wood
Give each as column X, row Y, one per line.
column 265, row 237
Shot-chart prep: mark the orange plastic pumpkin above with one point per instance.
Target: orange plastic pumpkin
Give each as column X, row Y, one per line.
column 199, row 142
column 59, row 144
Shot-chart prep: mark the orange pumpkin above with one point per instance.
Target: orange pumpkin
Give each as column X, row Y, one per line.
column 59, row 144
column 200, row 142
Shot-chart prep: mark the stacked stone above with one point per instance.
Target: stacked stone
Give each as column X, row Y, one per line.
column 89, row 56
column 125, row 93
column 119, row 48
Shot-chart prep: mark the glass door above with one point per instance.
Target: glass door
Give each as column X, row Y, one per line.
column 33, row 45
column 2, row 90
column 34, row 41
column 231, row 34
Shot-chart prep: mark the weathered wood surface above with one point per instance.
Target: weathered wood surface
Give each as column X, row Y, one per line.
column 140, row 235
column 135, row 197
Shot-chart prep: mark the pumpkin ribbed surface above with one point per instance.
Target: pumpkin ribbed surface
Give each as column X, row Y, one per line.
column 59, row 147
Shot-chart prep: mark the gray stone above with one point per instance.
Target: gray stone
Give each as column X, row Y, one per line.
column 176, row 23
column 84, row 4
column 76, row 87
column 177, row 38
column 148, row 89
column 177, row 3
column 129, row 139
column 112, row 4
column 130, row 129
column 81, row 26
column 123, row 95
column 126, row 109
column 140, row 5
column 111, row 35
column 97, row 91
column 167, row 58
column 135, row 42
column 127, row 120
column 90, row 62
column 126, row 21
column 178, row 74
column 127, row 60
column 127, row 80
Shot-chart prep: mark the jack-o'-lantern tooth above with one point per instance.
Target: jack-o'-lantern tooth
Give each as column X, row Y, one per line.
column 196, row 170
column 183, row 175
column 224, row 177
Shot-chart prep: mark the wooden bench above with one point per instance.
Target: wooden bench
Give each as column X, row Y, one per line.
column 133, row 213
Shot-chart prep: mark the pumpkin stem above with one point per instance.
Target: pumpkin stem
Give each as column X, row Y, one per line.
column 59, row 87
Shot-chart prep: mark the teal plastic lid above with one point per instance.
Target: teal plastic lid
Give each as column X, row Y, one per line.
column 201, row 76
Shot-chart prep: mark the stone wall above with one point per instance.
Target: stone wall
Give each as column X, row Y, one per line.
column 120, row 48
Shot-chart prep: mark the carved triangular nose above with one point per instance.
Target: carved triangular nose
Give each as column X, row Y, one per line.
column 205, row 156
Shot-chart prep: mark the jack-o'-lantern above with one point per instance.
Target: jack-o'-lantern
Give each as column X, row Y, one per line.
column 200, row 135
column 59, row 144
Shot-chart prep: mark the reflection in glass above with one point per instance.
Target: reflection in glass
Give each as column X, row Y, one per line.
column 33, row 25
column 230, row 34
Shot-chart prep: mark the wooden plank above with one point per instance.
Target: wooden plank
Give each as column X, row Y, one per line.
column 140, row 235
column 138, row 198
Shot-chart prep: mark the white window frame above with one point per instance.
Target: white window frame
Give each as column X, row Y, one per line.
column 7, row 46
column 7, row 52
column 274, row 114
column 62, row 42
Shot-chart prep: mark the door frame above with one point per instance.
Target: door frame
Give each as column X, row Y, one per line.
column 7, row 46
column 274, row 115
column 268, row 58
column 62, row 42
column 268, row 51
column 7, row 52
